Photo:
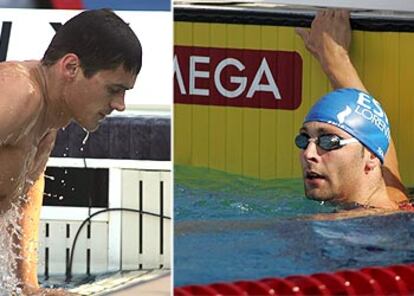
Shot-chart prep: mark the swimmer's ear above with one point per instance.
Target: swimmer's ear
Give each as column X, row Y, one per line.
column 70, row 65
column 371, row 163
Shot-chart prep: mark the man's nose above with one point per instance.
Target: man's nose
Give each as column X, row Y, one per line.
column 118, row 103
column 310, row 153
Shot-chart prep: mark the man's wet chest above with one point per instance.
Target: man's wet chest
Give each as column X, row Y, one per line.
column 15, row 163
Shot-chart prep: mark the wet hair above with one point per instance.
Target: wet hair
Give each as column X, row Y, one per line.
column 101, row 40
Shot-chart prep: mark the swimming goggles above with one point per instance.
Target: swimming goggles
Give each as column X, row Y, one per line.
column 326, row 142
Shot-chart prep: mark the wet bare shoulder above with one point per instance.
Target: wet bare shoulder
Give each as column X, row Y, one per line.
column 20, row 100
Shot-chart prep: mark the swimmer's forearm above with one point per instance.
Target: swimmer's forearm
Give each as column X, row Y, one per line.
column 27, row 268
column 391, row 173
column 340, row 71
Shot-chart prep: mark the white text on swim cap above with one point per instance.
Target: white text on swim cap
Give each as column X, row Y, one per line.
column 370, row 109
column 343, row 114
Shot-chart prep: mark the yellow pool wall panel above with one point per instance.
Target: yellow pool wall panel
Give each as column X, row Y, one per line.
column 257, row 142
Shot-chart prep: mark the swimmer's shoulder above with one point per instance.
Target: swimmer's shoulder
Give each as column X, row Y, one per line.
column 349, row 214
column 361, row 212
column 18, row 82
column 397, row 195
column 20, row 97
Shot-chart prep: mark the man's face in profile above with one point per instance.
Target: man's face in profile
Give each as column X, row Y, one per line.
column 96, row 97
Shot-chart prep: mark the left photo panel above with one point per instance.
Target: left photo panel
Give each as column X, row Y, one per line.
column 85, row 147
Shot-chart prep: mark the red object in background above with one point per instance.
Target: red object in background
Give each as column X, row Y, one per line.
column 334, row 283
column 67, row 4
column 391, row 280
column 237, row 77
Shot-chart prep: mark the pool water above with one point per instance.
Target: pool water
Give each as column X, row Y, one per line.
column 230, row 228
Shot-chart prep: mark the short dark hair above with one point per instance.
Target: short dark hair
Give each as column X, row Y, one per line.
column 101, row 40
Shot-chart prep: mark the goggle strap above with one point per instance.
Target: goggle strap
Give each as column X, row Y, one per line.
column 348, row 141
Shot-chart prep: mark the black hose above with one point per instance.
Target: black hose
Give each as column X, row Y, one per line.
column 69, row 267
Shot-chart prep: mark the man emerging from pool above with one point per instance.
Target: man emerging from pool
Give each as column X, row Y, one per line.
column 347, row 154
column 90, row 63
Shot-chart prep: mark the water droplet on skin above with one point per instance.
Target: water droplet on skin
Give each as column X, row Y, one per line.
column 12, row 179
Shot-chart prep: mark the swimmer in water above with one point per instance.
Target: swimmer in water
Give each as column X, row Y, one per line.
column 90, row 63
column 347, row 155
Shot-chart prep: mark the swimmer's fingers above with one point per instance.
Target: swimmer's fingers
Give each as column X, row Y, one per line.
column 320, row 14
column 313, row 37
column 330, row 30
column 341, row 27
column 330, row 13
column 308, row 40
column 303, row 33
column 344, row 14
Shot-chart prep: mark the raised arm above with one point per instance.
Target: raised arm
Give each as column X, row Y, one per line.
column 328, row 40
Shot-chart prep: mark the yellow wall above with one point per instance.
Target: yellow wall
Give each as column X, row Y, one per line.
column 259, row 142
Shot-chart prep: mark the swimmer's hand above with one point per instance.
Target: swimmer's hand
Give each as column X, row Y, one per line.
column 328, row 40
column 329, row 36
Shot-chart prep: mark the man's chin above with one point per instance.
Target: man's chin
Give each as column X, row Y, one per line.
column 317, row 196
column 91, row 130
column 90, row 127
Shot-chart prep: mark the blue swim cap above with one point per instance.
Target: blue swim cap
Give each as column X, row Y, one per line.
column 357, row 113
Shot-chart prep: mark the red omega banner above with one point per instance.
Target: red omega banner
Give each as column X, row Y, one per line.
column 237, row 77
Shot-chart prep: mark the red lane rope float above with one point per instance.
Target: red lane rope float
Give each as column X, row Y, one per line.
column 336, row 284
column 227, row 289
column 387, row 279
column 282, row 286
column 405, row 274
column 309, row 285
column 391, row 280
column 362, row 283
column 67, row 4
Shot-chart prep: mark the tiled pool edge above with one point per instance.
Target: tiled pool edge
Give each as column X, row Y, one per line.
column 111, row 284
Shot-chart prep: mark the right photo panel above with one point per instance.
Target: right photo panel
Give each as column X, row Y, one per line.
column 293, row 147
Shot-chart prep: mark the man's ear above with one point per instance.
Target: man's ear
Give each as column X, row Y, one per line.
column 371, row 162
column 70, row 65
